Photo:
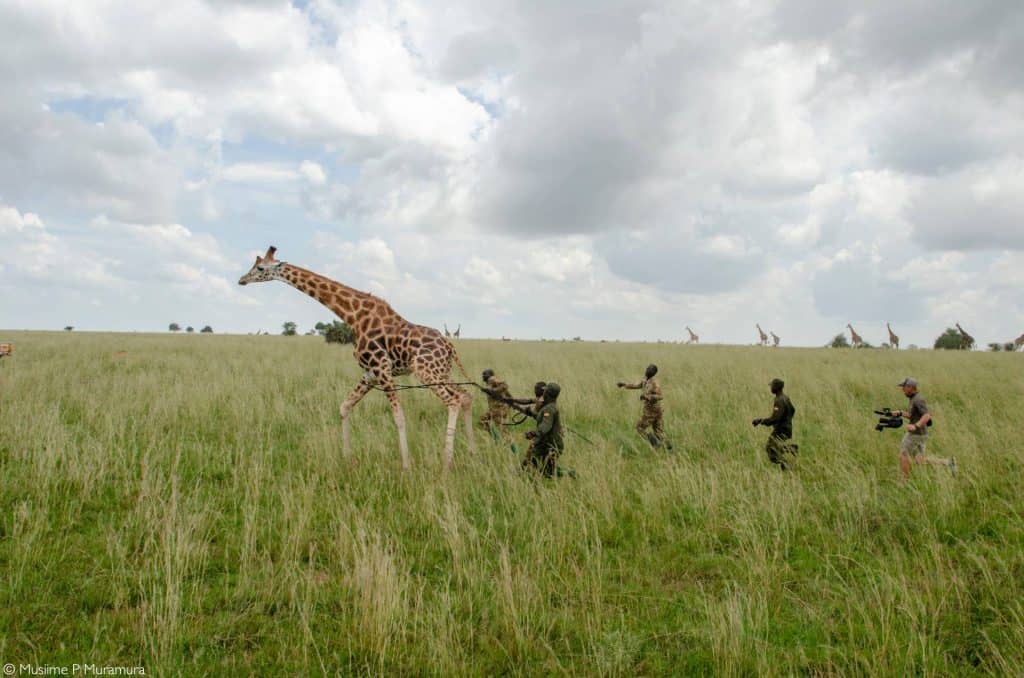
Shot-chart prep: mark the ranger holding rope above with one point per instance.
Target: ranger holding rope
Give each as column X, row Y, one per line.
column 499, row 399
column 546, row 444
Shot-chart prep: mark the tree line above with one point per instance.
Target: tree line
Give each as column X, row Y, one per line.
column 175, row 327
column 334, row 332
column 950, row 340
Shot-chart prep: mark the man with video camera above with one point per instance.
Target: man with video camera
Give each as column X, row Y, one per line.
column 914, row 440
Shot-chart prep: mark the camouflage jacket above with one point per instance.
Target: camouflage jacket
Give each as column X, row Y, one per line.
column 500, row 390
column 651, row 395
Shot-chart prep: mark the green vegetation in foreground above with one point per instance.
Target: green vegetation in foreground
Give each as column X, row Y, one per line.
column 184, row 505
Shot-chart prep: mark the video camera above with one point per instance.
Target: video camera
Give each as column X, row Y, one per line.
column 887, row 419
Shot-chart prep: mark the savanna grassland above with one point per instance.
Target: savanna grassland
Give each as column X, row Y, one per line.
column 182, row 503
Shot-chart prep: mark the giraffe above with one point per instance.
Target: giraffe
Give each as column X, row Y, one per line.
column 763, row 337
column 775, row 339
column 386, row 345
column 457, row 331
column 966, row 340
column 894, row 341
column 447, row 334
column 694, row 339
column 855, row 338
column 1018, row 343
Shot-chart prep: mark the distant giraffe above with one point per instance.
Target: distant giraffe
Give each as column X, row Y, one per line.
column 855, row 338
column 458, row 329
column 694, row 339
column 447, row 334
column 966, row 340
column 894, row 341
column 763, row 341
column 1018, row 343
column 775, row 339
column 386, row 345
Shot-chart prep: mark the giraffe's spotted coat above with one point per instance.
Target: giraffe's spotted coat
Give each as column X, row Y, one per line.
column 386, row 345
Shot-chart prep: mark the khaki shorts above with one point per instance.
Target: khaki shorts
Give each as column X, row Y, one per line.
column 913, row 444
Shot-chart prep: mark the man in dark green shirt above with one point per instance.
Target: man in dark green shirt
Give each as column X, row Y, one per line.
column 781, row 421
column 547, row 444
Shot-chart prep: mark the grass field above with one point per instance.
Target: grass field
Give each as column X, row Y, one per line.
column 185, row 506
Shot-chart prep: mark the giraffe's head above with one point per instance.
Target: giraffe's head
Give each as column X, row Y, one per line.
column 265, row 268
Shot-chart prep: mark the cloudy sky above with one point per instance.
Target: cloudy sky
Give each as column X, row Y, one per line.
column 610, row 169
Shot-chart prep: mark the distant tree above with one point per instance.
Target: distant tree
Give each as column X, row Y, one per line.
column 68, row 328
column 190, row 329
column 1009, row 347
column 995, row 347
column 339, row 333
column 310, row 333
column 289, row 329
column 174, row 327
column 839, row 341
column 207, row 330
column 949, row 340
column 321, row 328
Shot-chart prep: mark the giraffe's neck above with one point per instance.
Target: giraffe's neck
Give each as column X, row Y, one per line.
column 356, row 308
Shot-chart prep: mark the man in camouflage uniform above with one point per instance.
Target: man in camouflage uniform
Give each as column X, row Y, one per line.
column 495, row 419
column 546, row 444
column 912, row 447
column 651, row 416
column 781, row 420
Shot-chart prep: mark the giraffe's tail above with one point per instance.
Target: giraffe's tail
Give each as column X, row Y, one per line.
column 458, row 362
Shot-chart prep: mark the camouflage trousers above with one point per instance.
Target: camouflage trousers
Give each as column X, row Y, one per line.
column 778, row 447
column 650, row 418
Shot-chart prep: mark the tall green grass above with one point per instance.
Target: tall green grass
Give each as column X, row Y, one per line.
column 185, row 506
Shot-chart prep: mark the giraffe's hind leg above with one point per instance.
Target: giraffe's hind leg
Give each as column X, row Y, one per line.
column 452, row 397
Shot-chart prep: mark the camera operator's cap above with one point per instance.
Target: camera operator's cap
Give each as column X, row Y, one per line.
column 909, row 381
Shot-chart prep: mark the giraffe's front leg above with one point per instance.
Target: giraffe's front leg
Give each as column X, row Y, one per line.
column 396, row 410
column 361, row 389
